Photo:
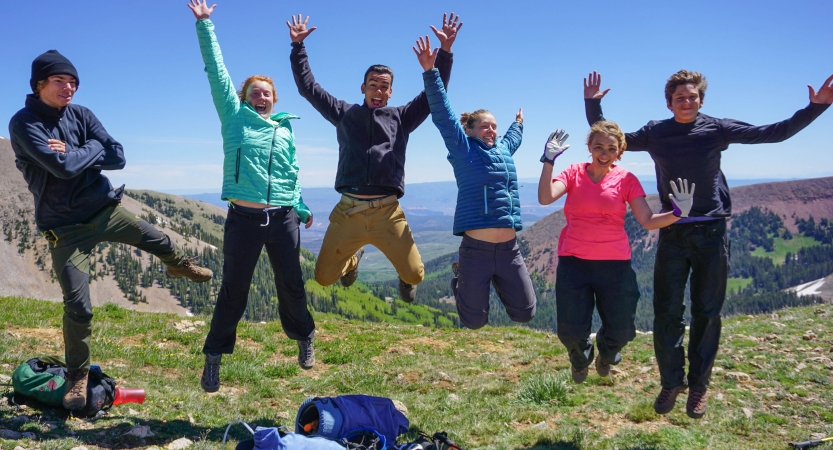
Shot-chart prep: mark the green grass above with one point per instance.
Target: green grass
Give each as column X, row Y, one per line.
column 493, row 388
column 782, row 247
column 736, row 284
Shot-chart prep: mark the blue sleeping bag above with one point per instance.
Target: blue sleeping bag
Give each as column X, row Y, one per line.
column 338, row 416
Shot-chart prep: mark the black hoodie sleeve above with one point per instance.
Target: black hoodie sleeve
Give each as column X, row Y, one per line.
column 31, row 139
column 417, row 110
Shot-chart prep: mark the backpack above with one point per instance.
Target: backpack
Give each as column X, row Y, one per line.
column 43, row 379
column 355, row 417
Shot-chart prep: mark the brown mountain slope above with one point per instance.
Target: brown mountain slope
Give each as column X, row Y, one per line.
column 789, row 199
column 26, row 273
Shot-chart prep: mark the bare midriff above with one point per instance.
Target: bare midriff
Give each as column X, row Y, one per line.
column 366, row 196
column 493, row 235
column 248, row 204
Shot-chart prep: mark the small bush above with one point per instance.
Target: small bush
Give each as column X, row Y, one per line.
column 281, row 370
column 546, row 389
column 641, row 412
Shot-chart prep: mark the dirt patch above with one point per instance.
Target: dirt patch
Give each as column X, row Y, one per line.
column 492, row 347
column 47, row 341
column 425, row 341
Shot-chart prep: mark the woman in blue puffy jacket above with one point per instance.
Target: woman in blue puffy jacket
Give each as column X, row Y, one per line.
column 260, row 182
column 488, row 212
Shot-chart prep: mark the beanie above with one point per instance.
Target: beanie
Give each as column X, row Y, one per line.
column 48, row 64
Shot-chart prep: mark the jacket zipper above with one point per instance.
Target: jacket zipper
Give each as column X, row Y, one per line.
column 485, row 201
column 508, row 191
column 269, row 169
column 237, row 168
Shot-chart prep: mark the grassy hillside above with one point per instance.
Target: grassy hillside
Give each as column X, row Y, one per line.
column 490, row 388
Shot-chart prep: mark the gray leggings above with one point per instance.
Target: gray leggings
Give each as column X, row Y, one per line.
column 501, row 265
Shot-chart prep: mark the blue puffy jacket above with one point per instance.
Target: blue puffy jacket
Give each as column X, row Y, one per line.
column 487, row 184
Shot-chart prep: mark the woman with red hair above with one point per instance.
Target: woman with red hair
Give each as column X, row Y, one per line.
column 260, row 182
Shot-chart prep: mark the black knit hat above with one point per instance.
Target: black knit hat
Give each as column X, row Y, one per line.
column 48, row 64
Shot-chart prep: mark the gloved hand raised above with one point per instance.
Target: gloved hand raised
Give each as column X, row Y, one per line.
column 682, row 198
column 555, row 146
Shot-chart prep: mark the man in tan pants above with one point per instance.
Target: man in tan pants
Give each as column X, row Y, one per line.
column 372, row 139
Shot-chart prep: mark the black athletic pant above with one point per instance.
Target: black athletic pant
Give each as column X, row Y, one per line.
column 246, row 232
column 702, row 249
column 609, row 286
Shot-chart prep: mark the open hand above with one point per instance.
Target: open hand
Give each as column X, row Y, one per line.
column 424, row 53
column 555, row 146
column 449, row 31
column 682, row 198
column 519, row 117
column 592, row 86
column 56, row 145
column 201, row 9
column 298, row 30
column 825, row 93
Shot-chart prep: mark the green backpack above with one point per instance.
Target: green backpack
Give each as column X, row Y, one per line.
column 43, row 379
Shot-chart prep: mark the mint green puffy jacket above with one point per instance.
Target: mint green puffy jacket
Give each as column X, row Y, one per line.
column 260, row 164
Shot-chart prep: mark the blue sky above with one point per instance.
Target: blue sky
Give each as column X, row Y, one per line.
column 142, row 75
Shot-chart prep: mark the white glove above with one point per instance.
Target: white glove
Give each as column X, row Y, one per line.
column 682, row 198
column 555, row 146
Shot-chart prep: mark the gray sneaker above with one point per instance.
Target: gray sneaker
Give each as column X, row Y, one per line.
column 579, row 375
column 350, row 277
column 306, row 354
column 210, row 380
column 407, row 291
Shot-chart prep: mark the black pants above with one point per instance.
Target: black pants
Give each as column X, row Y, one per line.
column 610, row 286
column 701, row 249
column 498, row 264
column 245, row 235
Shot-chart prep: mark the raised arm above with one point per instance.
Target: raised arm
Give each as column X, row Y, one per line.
column 682, row 199
column 226, row 101
column 514, row 135
column 35, row 143
column 328, row 106
column 743, row 133
column 593, row 96
column 550, row 190
column 441, row 113
column 417, row 110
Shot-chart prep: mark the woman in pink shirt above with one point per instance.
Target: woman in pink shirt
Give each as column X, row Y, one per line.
column 594, row 267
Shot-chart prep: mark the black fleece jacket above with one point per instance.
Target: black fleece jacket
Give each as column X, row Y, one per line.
column 692, row 151
column 371, row 142
column 68, row 187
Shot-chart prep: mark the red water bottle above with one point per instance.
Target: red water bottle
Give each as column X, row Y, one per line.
column 129, row 395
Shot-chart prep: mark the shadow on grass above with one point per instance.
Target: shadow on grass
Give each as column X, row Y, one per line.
column 550, row 444
column 110, row 430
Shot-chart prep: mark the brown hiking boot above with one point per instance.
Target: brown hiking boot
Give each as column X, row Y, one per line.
column 602, row 368
column 190, row 271
column 75, row 393
column 350, row 277
column 667, row 398
column 579, row 375
column 407, row 291
column 696, row 405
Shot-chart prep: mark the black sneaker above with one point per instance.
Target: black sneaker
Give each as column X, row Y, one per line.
column 602, row 368
column 350, row 277
column 579, row 375
column 306, row 354
column 210, row 380
column 407, row 292
column 455, row 268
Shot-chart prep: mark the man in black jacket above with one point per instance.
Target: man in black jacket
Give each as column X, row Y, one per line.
column 372, row 138
column 689, row 146
column 61, row 150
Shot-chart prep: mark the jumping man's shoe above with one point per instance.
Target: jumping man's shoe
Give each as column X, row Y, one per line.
column 407, row 291
column 306, row 354
column 350, row 277
column 75, row 393
column 190, row 271
column 210, row 380
column 602, row 368
column 696, row 405
column 579, row 375
column 667, row 398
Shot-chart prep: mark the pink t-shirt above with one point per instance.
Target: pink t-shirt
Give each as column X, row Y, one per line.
column 596, row 213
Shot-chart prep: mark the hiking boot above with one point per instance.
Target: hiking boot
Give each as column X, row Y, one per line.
column 667, row 398
column 579, row 375
column 210, row 380
column 350, row 277
column 696, row 405
column 455, row 268
column 306, row 354
column 75, row 393
column 407, row 291
column 190, row 271
column 602, row 368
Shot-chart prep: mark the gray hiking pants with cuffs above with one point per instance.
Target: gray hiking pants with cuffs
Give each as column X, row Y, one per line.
column 71, row 246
